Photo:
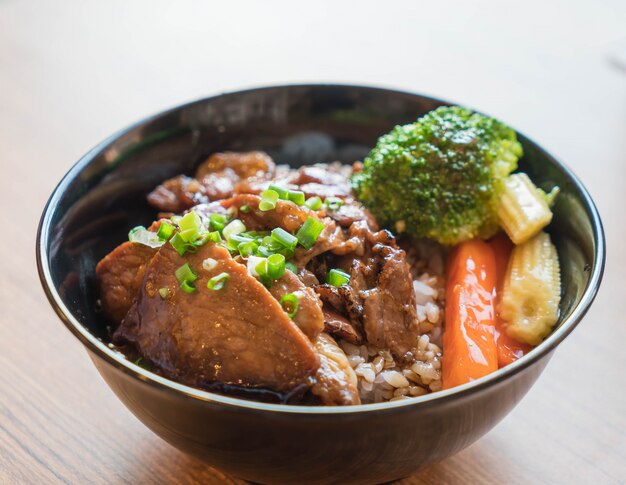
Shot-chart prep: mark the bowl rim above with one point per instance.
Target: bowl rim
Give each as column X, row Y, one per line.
column 119, row 361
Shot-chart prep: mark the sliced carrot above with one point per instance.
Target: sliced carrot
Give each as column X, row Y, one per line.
column 468, row 339
column 509, row 349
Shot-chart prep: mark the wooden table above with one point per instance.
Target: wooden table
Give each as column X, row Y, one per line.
column 71, row 74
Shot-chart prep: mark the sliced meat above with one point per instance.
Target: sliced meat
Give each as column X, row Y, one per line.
column 324, row 191
column 119, row 276
column 344, row 299
column 238, row 335
column 309, row 317
column 205, row 210
column 177, row 194
column 287, row 215
column 307, row 277
column 336, row 324
column 219, row 185
column 243, row 164
column 389, row 315
column 330, row 238
column 326, row 175
column 335, row 382
column 352, row 212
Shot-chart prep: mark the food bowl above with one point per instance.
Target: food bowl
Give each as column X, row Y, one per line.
column 103, row 195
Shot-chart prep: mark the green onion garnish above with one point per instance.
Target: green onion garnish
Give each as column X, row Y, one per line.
column 190, row 226
column 141, row 235
column 291, row 267
column 218, row 282
column 247, row 248
column 309, row 232
column 209, row 264
column 217, row 221
column 268, row 200
column 202, row 239
column 245, row 209
column 185, row 273
column 282, row 193
column 333, row 203
column 314, row 203
column 166, row 231
column 188, row 286
column 164, row 293
column 179, row 244
column 337, row 278
column 290, row 304
column 264, row 251
column 236, row 239
column 215, row 236
column 233, row 228
column 296, row 196
column 276, row 266
column 284, row 238
column 261, row 267
column 175, row 219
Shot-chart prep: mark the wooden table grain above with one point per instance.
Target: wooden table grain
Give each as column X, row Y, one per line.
column 73, row 72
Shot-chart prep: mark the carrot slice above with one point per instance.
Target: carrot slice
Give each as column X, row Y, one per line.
column 509, row 349
column 468, row 339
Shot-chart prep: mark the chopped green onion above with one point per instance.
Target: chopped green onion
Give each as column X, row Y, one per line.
column 253, row 262
column 143, row 364
column 290, row 304
column 233, row 228
column 337, row 278
column 166, row 231
column 296, row 196
column 245, row 209
column 215, row 237
column 286, row 252
column 176, row 219
column 202, row 239
column 188, row 286
column 190, row 235
column 209, row 264
column 185, row 273
column 164, row 293
column 261, row 267
column 314, row 203
column 247, row 248
column 179, row 244
column 264, row 251
column 309, row 232
column 268, row 200
column 276, row 266
column 291, row 267
column 284, row 238
column 282, row 193
column 141, row 235
column 190, row 226
column 239, row 238
column 236, row 240
column 218, row 282
column 217, row 221
column 333, row 203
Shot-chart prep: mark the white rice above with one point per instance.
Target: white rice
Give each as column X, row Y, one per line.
column 380, row 377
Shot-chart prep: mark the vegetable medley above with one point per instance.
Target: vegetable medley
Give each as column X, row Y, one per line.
column 281, row 284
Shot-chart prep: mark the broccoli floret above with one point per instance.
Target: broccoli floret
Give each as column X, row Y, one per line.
column 439, row 177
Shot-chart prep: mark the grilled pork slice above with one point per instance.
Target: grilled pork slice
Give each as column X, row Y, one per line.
column 309, row 317
column 236, row 335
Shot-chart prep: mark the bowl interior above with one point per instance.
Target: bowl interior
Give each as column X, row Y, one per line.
column 103, row 195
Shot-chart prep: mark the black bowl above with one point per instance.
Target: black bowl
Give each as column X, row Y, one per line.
column 103, row 195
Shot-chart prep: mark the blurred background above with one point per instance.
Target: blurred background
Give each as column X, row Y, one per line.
column 74, row 72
